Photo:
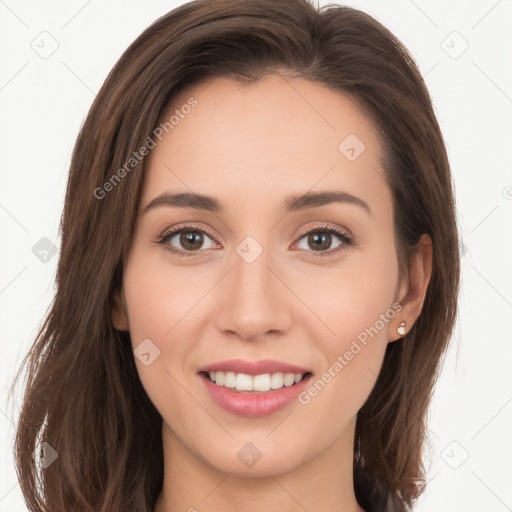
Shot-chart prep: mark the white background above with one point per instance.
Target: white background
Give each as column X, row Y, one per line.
column 43, row 102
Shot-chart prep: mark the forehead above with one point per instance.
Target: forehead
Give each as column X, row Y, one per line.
column 275, row 137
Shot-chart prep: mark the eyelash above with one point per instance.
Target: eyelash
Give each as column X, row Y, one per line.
column 324, row 229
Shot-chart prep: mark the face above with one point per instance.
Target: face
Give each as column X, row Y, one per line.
column 313, row 284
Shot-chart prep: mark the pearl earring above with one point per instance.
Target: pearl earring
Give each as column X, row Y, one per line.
column 401, row 328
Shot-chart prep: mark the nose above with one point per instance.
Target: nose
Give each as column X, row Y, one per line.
column 254, row 300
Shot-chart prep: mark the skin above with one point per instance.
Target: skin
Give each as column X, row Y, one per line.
column 251, row 148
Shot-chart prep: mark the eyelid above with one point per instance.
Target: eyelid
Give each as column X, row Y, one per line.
column 183, row 227
column 327, row 227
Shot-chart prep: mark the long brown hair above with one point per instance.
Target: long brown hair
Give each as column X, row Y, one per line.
column 83, row 396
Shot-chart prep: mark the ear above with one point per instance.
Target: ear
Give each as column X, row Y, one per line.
column 119, row 312
column 414, row 291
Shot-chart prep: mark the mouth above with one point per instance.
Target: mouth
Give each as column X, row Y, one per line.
column 254, row 384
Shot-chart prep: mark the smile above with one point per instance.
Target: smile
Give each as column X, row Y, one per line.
column 254, row 396
column 242, row 382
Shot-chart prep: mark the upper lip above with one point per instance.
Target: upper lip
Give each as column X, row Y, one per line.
column 253, row 367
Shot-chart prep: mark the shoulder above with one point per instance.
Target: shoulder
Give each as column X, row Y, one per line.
column 395, row 504
column 371, row 500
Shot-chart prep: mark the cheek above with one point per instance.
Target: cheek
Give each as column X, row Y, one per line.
column 352, row 357
column 351, row 299
column 166, row 305
column 356, row 308
column 160, row 297
column 160, row 309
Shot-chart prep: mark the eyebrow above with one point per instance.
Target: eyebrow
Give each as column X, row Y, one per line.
column 291, row 204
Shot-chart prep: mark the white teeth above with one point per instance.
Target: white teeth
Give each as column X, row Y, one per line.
column 277, row 380
column 243, row 382
column 261, row 383
column 289, row 379
column 230, row 380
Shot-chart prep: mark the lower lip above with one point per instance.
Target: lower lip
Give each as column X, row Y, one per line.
column 254, row 404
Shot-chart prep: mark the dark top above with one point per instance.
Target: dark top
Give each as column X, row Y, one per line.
column 373, row 502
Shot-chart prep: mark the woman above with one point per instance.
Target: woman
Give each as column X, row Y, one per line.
column 258, row 275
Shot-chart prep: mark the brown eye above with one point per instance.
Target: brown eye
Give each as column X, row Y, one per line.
column 320, row 241
column 191, row 240
column 186, row 240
